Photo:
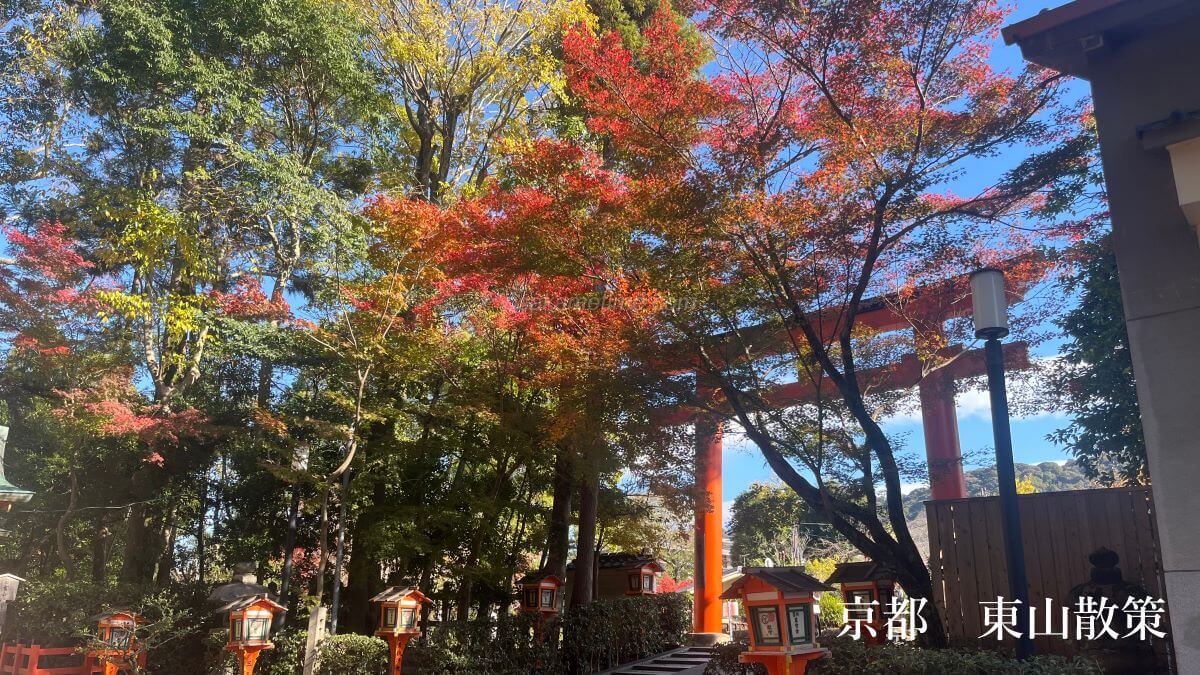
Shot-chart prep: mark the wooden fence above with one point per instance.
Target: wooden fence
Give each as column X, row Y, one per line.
column 1059, row 530
column 21, row 659
column 17, row 659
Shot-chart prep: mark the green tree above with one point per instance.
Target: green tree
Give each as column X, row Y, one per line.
column 1095, row 378
column 772, row 521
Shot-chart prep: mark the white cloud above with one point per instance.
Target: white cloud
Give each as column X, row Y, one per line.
column 973, row 401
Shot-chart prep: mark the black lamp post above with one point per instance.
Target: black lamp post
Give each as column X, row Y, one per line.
column 990, row 310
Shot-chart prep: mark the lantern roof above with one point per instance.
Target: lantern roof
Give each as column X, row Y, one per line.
column 397, row 593
column 626, row 561
column 786, row 579
column 9, row 493
column 243, row 584
column 859, row 572
column 246, row 603
column 538, row 577
column 114, row 613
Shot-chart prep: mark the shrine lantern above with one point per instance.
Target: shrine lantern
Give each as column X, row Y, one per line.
column 643, row 579
column 540, row 592
column 867, row 590
column 115, row 649
column 250, row 620
column 399, row 614
column 9, row 494
column 780, row 607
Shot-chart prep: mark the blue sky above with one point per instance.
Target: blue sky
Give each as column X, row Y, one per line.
column 743, row 464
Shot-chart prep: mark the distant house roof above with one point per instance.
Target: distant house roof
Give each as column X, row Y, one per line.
column 397, row 593
column 624, row 561
column 786, row 579
column 858, row 572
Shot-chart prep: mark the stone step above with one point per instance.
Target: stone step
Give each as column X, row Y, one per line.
column 687, row 661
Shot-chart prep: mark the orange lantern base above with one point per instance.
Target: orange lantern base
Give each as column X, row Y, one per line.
column 784, row 663
column 396, row 644
column 248, row 656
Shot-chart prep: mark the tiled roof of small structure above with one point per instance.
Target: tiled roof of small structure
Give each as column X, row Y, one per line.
column 858, row 572
column 397, row 593
column 786, row 579
column 243, row 603
column 623, row 561
column 536, row 576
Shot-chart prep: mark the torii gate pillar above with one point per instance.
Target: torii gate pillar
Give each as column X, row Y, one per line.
column 942, row 449
column 706, row 613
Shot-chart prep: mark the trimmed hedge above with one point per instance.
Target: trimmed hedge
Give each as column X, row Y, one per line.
column 597, row 637
column 607, row 633
column 851, row 657
column 505, row 648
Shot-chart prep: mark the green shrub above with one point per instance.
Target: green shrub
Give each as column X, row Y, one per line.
column 353, row 655
column 596, row 637
column 725, row 661
column 459, row 648
column 607, row 633
column 851, row 657
column 287, row 658
column 831, row 612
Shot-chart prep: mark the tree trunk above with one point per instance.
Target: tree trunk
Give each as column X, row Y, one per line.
column 201, row 563
column 323, row 548
column 559, row 534
column 363, row 567
column 60, row 537
column 100, row 541
column 166, row 563
column 589, row 496
column 137, row 567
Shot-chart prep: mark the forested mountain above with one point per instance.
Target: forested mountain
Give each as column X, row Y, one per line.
column 981, row 482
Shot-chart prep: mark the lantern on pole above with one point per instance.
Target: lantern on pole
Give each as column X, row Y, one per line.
column 780, row 606
column 116, row 647
column 865, row 586
column 250, row 621
column 989, row 311
column 9, row 494
column 9, row 583
column 399, row 616
column 541, row 597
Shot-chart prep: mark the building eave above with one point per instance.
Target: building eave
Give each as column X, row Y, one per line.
column 1063, row 38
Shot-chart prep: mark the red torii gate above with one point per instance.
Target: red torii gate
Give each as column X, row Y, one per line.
column 938, row 417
